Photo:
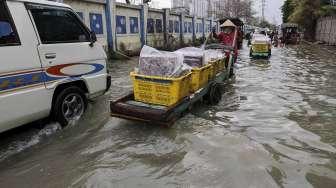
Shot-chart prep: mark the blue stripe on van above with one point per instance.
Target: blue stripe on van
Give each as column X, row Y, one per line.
column 16, row 81
column 29, row 78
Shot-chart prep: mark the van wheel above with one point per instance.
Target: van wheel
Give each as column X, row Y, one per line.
column 69, row 105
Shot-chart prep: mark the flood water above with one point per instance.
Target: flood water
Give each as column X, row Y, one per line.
column 275, row 127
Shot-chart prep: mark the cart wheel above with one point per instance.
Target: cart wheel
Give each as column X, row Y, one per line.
column 214, row 96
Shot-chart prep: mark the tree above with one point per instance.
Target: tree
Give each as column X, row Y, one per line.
column 325, row 2
column 247, row 11
column 306, row 14
column 233, row 8
column 287, row 10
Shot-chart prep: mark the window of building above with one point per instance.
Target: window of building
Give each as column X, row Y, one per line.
column 58, row 26
column 185, row 27
column 150, row 25
column 171, row 26
column 158, row 26
column 177, row 27
column 190, row 30
column 121, row 24
column 96, row 23
column 134, row 24
column 81, row 15
column 8, row 35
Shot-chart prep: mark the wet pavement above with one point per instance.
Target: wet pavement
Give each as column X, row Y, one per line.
column 275, row 127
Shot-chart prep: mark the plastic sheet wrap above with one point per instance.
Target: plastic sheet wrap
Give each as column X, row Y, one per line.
column 193, row 57
column 210, row 55
column 153, row 62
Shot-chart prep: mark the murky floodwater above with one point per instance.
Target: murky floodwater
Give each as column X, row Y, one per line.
column 276, row 127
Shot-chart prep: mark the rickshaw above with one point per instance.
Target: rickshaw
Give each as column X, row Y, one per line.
column 240, row 28
column 228, row 37
column 290, row 33
column 261, row 45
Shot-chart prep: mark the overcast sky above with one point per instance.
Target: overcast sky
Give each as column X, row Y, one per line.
column 273, row 12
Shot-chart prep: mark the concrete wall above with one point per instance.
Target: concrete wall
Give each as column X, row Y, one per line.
column 207, row 26
column 326, row 30
column 85, row 8
column 175, row 36
column 131, row 40
column 199, row 28
column 187, row 30
column 128, row 27
column 155, row 35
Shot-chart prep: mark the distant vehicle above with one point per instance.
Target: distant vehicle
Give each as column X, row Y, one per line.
column 248, row 31
column 290, row 33
column 240, row 25
column 261, row 45
column 50, row 63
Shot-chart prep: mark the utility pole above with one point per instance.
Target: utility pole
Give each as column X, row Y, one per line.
column 263, row 7
column 210, row 11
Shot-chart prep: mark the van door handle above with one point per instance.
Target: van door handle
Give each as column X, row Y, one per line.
column 50, row 56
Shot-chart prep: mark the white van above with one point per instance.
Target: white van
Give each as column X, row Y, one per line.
column 50, row 63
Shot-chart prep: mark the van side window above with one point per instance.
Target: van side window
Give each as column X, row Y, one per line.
column 59, row 26
column 8, row 35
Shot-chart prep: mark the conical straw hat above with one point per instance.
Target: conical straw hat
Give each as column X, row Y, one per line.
column 228, row 23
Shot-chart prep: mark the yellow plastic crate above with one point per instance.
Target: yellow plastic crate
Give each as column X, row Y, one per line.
column 214, row 68
column 212, row 72
column 160, row 91
column 218, row 66
column 200, row 77
column 222, row 64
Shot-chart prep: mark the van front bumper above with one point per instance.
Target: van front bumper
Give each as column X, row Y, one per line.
column 260, row 54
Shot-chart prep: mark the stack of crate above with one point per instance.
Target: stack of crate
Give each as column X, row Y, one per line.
column 168, row 91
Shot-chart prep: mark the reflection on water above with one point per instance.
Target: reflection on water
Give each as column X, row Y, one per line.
column 275, row 127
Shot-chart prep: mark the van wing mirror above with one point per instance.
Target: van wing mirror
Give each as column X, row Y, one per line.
column 93, row 38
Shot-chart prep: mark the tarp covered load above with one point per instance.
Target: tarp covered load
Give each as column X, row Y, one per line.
column 193, row 56
column 153, row 62
column 211, row 55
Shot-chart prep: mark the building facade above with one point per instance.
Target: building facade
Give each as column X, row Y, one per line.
column 209, row 8
column 197, row 8
column 333, row 2
column 126, row 28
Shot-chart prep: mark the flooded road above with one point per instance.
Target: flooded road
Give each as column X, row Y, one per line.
column 275, row 127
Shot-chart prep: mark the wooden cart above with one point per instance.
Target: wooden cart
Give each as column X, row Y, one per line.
column 127, row 108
